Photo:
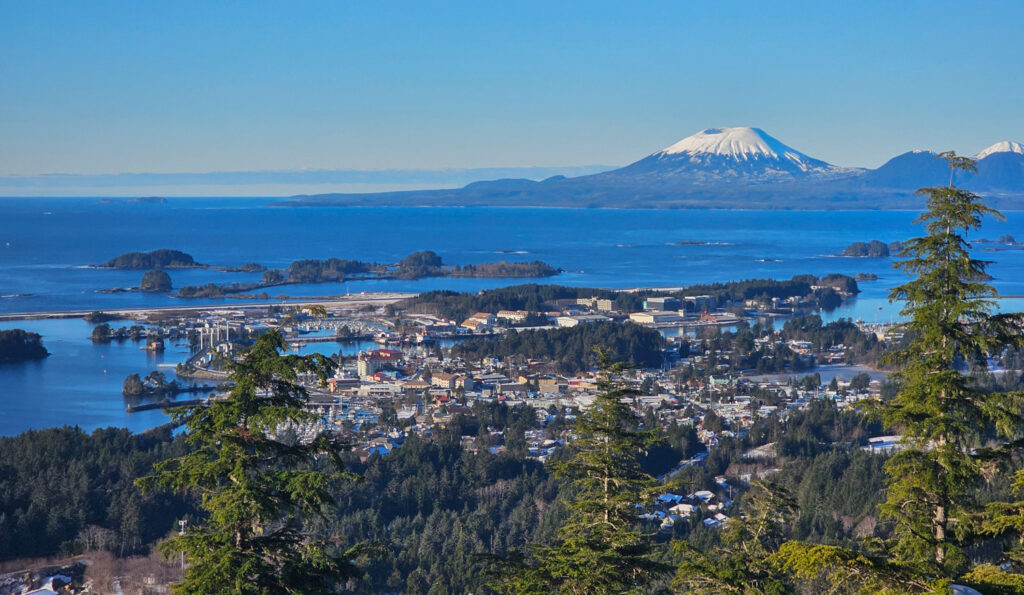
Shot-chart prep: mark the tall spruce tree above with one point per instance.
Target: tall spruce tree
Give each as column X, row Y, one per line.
column 257, row 490
column 599, row 548
column 943, row 415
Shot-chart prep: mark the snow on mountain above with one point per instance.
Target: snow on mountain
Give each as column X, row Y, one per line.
column 740, row 142
column 1006, row 146
column 738, row 154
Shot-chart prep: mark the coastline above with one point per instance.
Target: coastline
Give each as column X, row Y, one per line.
column 376, row 298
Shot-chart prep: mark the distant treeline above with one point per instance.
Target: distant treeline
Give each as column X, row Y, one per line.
column 18, row 345
column 531, row 297
column 861, row 347
column 534, row 298
column 763, row 289
column 572, row 348
column 65, row 491
column 157, row 259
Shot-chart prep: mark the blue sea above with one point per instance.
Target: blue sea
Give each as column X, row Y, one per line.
column 47, row 245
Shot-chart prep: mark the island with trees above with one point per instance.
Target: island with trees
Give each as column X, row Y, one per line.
column 17, row 345
column 157, row 259
column 155, row 281
column 417, row 265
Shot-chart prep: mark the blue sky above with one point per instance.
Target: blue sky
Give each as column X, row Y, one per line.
column 110, row 87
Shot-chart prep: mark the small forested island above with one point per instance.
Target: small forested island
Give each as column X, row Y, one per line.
column 417, row 265
column 155, row 281
column 1007, row 240
column 103, row 333
column 157, row 259
column 872, row 249
column 249, row 267
column 17, row 345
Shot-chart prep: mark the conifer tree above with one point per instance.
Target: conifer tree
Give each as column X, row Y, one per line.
column 943, row 415
column 599, row 548
column 256, row 490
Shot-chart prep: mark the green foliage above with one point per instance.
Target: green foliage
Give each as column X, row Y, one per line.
column 742, row 563
column 530, row 297
column 507, row 270
column 157, row 259
column 273, row 277
column 943, row 416
column 132, row 386
column 19, row 345
column 97, row 317
column 572, row 347
column 437, row 507
column 324, row 271
column 993, row 580
column 860, row 347
column 872, row 249
column 155, row 281
column 818, row 568
column 58, row 486
column 765, row 289
column 257, row 491
column 100, row 333
column 598, row 548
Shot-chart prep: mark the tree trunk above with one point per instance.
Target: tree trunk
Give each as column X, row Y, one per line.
column 940, row 534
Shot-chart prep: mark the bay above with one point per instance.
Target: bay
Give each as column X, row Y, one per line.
column 47, row 245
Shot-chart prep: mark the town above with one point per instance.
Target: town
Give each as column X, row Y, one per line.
column 712, row 364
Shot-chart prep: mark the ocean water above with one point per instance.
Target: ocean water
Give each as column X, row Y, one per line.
column 47, row 244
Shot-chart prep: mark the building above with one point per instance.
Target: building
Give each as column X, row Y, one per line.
column 371, row 361
column 662, row 304
column 479, row 321
column 655, row 317
column 571, row 321
column 442, row 380
column 513, row 316
column 599, row 304
column 699, row 303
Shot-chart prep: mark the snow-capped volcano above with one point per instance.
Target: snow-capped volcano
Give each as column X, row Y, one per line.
column 1006, row 146
column 740, row 142
column 739, row 154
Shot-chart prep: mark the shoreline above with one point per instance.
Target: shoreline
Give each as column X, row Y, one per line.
column 375, row 298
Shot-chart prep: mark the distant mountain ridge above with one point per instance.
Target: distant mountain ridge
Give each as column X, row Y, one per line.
column 729, row 167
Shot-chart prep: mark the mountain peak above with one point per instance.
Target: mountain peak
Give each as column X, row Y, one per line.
column 740, row 142
column 739, row 154
column 1006, row 146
